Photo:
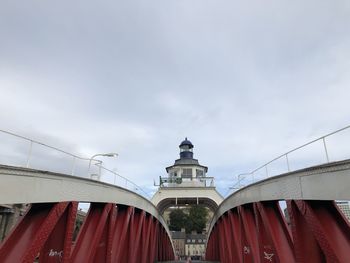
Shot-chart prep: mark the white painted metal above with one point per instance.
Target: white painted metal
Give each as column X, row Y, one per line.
column 189, row 192
column 75, row 157
column 329, row 181
column 22, row 185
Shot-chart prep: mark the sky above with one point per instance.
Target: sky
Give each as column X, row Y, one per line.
column 245, row 81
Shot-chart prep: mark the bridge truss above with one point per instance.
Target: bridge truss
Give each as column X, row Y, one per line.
column 249, row 226
column 120, row 225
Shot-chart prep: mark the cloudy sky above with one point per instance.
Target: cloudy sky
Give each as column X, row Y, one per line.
column 244, row 80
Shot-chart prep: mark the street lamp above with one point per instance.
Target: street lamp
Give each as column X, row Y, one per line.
column 100, row 162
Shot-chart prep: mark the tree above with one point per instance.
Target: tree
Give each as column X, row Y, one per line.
column 198, row 216
column 177, row 219
column 192, row 219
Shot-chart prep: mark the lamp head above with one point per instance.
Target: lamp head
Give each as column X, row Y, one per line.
column 111, row 154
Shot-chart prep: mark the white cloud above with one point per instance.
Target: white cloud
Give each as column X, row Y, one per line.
column 244, row 81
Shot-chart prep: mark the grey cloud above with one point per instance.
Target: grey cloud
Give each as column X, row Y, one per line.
column 245, row 81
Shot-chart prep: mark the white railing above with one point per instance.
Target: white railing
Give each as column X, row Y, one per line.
column 263, row 171
column 116, row 179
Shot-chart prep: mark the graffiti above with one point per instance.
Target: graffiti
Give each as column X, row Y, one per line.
column 246, row 250
column 53, row 253
column 268, row 256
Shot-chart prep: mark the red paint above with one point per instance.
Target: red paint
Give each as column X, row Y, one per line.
column 108, row 234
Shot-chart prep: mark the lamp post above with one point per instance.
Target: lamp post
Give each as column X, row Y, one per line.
column 100, row 162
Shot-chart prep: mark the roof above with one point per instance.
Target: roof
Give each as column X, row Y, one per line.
column 186, row 142
column 186, row 162
column 178, row 235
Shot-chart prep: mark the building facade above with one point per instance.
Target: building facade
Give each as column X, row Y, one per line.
column 345, row 208
column 179, row 238
column 9, row 216
column 195, row 245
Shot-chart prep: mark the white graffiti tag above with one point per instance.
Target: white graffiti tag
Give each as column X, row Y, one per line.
column 53, row 253
column 246, row 250
column 268, row 256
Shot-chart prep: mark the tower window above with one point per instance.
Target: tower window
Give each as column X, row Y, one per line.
column 187, row 173
column 199, row 173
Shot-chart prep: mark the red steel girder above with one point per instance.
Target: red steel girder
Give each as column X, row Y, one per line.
column 121, row 237
column 61, row 237
column 211, row 245
column 154, row 245
column 146, row 232
column 320, row 231
column 108, row 234
column 275, row 242
column 236, row 232
column 258, row 232
column 225, row 255
column 30, row 235
column 93, row 238
column 136, row 224
column 125, row 234
column 249, row 239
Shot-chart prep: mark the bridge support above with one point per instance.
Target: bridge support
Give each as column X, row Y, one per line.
column 258, row 232
column 110, row 233
column 45, row 230
column 320, row 231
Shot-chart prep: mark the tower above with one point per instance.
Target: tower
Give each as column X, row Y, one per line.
column 186, row 171
column 186, row 183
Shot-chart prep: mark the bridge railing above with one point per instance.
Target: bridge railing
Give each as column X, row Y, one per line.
column 39, row 155
column 283, row 162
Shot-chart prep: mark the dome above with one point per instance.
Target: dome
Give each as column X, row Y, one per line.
column 186, row 143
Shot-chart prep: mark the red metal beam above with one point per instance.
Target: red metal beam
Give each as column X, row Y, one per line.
column 320, row 231
column 136, row 225
column 258, row 233
column 146, row 231
column 275, row 242
column 250, row 241
column 154, row 241
column 236, row 232
column 91, row 244
column 121, row 237
column 61, row 237
column 31, row 234
column 108, row 234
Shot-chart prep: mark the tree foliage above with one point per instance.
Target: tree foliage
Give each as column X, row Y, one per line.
column 192, row 219
column 177, row 219
column 198, row 216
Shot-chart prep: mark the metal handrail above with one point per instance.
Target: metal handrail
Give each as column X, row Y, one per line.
column 74, row 159
column 43, row 144
column 126, row 180
column 323, row 138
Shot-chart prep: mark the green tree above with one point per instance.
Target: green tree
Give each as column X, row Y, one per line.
column 192, row 219
column 177, row 219
column 198, row 216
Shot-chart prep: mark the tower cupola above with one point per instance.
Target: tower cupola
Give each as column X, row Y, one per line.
column 186, row 149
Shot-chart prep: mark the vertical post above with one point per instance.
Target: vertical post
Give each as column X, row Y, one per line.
column 99, row 172
column 29, row 153
column 325, row 148
column 287, row 162
column 73, row 165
